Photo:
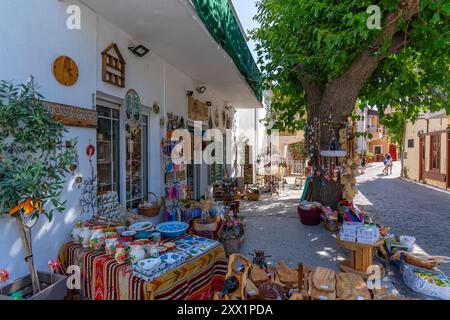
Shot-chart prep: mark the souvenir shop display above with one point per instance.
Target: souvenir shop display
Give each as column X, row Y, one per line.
column 322, row 284
column 254, row 282
column 175, row 122
column 97, row 241
column 174, row 255
column 232, row 234
column 259, row 258
column 361, row 255
column 253, row 194
column 419, row 260
column 330, row 219
column 108, row 206
column 225, row 190
column 430, row 282
column 350, row 286
column 236, row 279
column 350, row 213
column 176, row 188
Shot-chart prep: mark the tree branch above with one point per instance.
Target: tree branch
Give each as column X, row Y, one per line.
column 340, row 94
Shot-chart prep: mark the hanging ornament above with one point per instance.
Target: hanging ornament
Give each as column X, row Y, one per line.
column 333, row 142
column 78, row 182
column 210, row 122
column 156, row 108
column 216, row 118
column 73, row 168
column 90, row 150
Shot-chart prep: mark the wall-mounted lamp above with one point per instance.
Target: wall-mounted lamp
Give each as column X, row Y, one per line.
column 201, row 89
column 420, row 133
column 189, row 93
column 139, row 51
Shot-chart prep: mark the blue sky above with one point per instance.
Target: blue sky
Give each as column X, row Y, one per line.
column 246, row 10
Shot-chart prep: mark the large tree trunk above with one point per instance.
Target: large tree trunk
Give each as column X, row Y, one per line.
column 334, row 101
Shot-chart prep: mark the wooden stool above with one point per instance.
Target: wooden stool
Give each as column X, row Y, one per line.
column 360, row 257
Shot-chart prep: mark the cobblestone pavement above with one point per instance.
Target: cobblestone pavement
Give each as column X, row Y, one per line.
column 408, row 209
column 274, row 226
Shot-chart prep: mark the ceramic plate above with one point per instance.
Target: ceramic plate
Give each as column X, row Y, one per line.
column 141, row 226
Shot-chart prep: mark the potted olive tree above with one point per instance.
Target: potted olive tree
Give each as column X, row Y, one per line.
column 34, row 163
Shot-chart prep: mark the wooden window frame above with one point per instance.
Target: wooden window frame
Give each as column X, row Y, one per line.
column 435, row 173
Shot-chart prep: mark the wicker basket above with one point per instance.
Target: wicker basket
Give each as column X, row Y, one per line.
column 205, row 227
column 154, row 210
column 331, row 227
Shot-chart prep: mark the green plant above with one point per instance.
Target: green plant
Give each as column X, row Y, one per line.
column 34, row 162
column 321, row 61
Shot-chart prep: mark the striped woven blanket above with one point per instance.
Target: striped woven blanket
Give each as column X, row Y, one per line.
column 102, row 278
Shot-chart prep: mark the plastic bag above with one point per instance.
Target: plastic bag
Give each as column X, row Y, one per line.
column 420, row 285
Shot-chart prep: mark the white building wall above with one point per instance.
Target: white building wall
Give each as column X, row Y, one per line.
column 31, row 39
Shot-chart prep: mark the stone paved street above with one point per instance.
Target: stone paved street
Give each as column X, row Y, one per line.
column 409, row 209
column 274, row 226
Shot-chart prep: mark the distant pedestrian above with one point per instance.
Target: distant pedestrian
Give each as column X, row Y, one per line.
column 363, row 164
column 389, row 164
column 385, row 162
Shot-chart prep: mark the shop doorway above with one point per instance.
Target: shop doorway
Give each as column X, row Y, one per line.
column 193, row 171
column 421, row 157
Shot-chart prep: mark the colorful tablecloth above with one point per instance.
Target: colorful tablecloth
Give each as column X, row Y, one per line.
column 102, row 278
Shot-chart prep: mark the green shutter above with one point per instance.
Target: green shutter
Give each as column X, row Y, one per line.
column 223, row 26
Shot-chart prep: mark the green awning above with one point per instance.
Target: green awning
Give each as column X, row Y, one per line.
column 223, row 26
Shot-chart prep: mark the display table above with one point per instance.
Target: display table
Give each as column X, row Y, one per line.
column 102, row 278
column 360, row 256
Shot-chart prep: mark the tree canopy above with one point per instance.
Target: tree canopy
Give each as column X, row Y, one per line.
column 316, row 54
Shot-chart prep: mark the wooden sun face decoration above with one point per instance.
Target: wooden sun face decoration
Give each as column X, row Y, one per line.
column 65, row 71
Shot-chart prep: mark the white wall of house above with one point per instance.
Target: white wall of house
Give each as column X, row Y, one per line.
column 31, row 39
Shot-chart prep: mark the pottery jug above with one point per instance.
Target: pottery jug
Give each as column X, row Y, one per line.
column 110, row 246
column 85, row 237
column 76, row 233
column 121, row 255
column 137, row 253
column 97, row 242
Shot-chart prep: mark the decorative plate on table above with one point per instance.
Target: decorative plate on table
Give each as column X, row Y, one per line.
column 141, row 226
column 171, row 258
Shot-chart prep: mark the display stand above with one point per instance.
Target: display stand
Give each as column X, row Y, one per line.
column 360, row 257
column 175, row 178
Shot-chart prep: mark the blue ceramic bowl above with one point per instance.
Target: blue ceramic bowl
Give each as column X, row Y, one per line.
column 172, row 229
column 141, row 235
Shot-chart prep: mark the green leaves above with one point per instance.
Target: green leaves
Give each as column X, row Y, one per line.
column 35, row 160
column 319, row 40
